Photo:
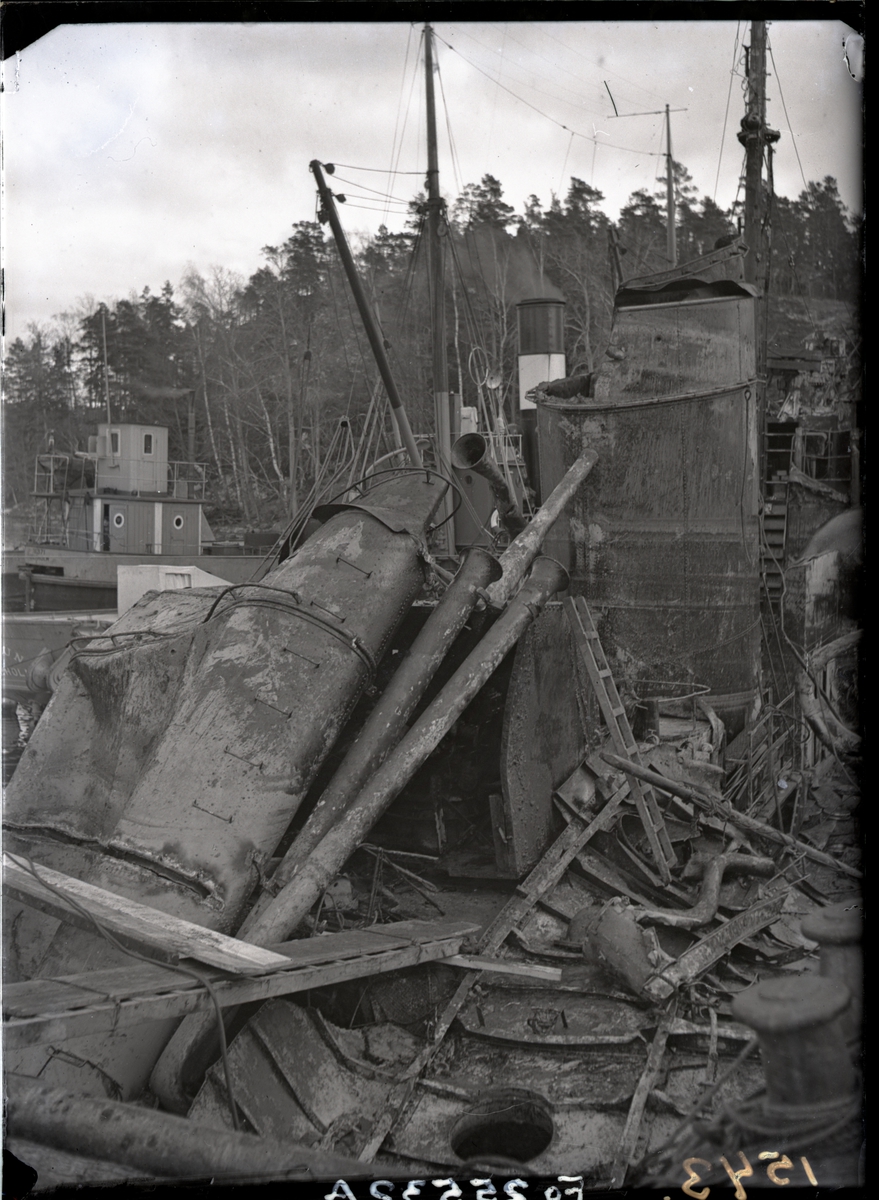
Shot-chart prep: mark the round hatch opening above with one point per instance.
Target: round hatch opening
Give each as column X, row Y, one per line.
column 506, row 1123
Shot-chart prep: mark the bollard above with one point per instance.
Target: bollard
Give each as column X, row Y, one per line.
column 805, row 1059
column 838, row 931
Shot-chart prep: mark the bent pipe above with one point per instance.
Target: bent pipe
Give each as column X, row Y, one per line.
column 521, row 552
column 293, row 903
column 386, row 723
column 713, row 869
column 158, row 1143
column 471, row 453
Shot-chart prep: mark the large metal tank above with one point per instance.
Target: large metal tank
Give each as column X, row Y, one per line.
column 662, row 538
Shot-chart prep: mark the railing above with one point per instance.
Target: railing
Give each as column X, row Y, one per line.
column 50, row 474
column 187, row 480
column 815, row 452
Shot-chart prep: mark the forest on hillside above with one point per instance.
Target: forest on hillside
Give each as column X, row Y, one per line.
column 272, row 366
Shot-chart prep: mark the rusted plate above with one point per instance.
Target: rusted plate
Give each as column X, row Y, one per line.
column 535, row 1016
column 550, row 724
column 289, row 1082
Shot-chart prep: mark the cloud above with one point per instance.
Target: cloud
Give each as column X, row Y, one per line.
column 133, row 149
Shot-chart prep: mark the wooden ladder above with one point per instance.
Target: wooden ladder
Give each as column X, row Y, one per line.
column 624, row 742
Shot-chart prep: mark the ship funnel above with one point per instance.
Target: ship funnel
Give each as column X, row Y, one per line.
column 541, row 329
column 471, row 453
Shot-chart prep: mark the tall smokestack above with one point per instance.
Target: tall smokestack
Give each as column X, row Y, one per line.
column 541, row 358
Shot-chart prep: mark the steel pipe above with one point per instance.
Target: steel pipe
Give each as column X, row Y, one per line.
column 159, row 1143
column 521, row 552
column 386, row 723
column 471, row 452
column 719, row 807
column 305, row 888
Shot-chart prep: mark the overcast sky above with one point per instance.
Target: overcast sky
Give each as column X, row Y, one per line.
column 135, row 151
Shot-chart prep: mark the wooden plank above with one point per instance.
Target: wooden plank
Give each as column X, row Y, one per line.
column 118, row 1010
column 545, row 876
column 709, row 949
column 549, row 871
column 141, row 925
column 629, row 1137
column 69, row 992
column 505, row 966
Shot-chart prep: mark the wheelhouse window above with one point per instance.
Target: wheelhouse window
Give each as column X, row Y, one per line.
column 114, row 441
column 147, row 443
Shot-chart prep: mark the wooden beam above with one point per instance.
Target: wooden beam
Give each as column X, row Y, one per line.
column 136, row 925
column 506, row 966
column 542, row 879
column 711, row 948
column 629, row 1138
column 53, row 1010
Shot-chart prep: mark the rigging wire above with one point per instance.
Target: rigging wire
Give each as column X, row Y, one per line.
column 453, row 150
column 497, row 84
column 379, row 170
column 382, row 208
column 540, row 112
column 726, row 113
column 577, row 104
column 786, row 117
column 375, row 191
column 565, row 163
column 605, row 70
column 397, row 145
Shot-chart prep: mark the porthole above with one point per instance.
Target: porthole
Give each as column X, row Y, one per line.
column 118, row 520
column 178, row 522
column 505, row 1124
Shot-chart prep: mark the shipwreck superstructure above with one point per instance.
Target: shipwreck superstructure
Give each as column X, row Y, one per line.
column 218, row 770
column 402, row 863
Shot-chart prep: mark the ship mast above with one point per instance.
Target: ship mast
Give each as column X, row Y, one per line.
column 756, row 136
column 672, row 245
column 758, row 139
column 436, row 281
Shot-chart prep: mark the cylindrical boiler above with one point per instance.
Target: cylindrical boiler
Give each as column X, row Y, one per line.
column 662, row 538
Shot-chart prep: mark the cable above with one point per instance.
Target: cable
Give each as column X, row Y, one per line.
column 380, row 170
column 540, row 112
column 786, row 117
column 351, row 642
column 28, row 865
column 726, row 113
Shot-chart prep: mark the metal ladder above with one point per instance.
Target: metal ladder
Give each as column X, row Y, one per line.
column 601, row 676
column 773, row 541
